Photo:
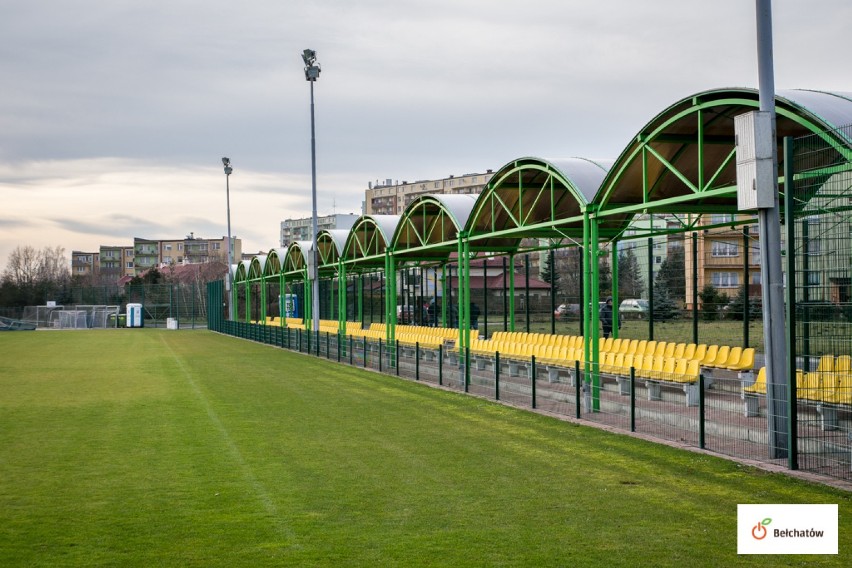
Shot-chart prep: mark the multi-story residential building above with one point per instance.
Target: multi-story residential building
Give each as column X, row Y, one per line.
column 148, row 253
column 112, row 262
column 728, row 257
column 84, row 263
column 293, row 230
column 391, row 198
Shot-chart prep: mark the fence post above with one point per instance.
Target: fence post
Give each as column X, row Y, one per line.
column 701, row 411
column 496, row 375
column 577, row 383
column 396, row 353
column 632, row 399
column 416, row 361
column 789, row 214
column 532, row 378
column 440, row 363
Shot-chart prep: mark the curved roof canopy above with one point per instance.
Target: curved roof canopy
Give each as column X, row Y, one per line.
column 533, row 197
column 275, row 261
column 256, row 267
column 330, row 244
column 295, row 260
column 242, row 272
column 429, row 228
column 369, row 238
column 683, row 161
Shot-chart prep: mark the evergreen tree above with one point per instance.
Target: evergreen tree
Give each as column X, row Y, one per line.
column 665, row 307
column 712, row 302
column 631, row 284
column 549, row 273
column 672, row 275
column 736, row 308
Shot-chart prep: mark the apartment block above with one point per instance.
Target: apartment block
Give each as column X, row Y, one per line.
column 391, row 198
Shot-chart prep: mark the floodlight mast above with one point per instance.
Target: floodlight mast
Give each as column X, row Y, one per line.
column 312, row 72
column 230, row 277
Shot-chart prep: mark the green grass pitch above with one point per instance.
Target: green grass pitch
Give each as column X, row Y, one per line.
column 149, row 447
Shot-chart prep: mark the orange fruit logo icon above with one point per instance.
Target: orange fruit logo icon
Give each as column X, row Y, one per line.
column 759, row 531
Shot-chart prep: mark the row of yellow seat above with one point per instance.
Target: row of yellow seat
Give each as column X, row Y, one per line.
column 831, row 382
column 445, row 333
column 716, row 356
column 671, row 369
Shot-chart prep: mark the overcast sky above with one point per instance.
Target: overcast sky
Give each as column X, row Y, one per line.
column 114, row 114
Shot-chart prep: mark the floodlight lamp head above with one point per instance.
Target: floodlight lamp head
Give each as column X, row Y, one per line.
column 309, row 56
column 226, row 162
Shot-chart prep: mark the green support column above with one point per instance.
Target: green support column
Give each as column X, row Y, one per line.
column 390, row 295
column 443, row 295
column 586, row 302
column 360, row 300
column 463, row 299
column 615, row 301
column 282, row 293
column 308, row 317
column 596, row 400
column 248, row 301
column 263, row 300
column 341, row 296
column 511, row 292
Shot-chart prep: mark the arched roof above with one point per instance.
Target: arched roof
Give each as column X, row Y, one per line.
column 275, row 261
column 330, row 244
column 534, row 197
column 368, row 239
column 428, row 222
column 256, row 267
column 683, row 160
column 242, row 272
column 295, row 259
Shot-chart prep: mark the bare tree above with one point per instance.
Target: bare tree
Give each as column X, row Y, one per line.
column 31, row 276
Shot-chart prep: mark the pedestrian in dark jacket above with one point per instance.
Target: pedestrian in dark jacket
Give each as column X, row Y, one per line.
column 606, row 317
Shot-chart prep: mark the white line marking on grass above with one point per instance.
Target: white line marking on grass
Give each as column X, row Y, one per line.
column 260, row 491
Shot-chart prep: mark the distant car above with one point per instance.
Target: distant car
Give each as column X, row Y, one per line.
column 565, row 310
column 636, row 307
column 405, row 314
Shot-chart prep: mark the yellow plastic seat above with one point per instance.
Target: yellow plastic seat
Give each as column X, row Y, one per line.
column 745, row 362
column 688, row 351
column 710, row 355
column 671, row 348
column 733, row 357
column 843, row 390
column 759, row 385
column 650, row 347
column 700, row 352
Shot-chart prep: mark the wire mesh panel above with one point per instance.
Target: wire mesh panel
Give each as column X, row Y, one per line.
column 819, row 226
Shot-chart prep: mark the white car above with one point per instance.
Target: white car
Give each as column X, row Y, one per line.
column 638, row 307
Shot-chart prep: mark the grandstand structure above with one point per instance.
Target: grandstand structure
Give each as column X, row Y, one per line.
column 682, row 164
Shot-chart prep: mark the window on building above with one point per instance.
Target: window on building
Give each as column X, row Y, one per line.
column 814, row 246
column 217, row 246
column 717, row 218
column 754, row 254
column 167, row 246
column 814, row 278
column 129, row 265
column 725, row 279
column 724, row 249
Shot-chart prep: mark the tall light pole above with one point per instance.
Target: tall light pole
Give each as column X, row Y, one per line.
column 230, row 280
column 312, row 72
